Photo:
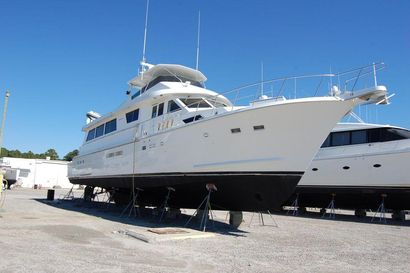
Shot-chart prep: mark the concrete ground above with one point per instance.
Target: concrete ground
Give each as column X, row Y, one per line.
column 73, row 236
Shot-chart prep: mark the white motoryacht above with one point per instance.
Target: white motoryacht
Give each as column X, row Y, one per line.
column 173, row 132
column 359, row 164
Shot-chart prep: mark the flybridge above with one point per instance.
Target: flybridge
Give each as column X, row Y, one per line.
column 166, row 72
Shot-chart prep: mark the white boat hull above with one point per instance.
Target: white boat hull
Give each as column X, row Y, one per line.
column 359, row 177
column 252, row 169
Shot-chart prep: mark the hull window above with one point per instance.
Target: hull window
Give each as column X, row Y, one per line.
column 235, row 130
column 191, row 119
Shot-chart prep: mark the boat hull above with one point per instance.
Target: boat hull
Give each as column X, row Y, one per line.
column 358, row 175
column 235, row 191
column 395, row 198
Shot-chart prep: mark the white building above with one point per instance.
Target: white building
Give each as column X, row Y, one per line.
column 41, row 173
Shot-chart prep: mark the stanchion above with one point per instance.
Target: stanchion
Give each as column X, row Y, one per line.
column 133, row 204
column 381, row 210
column 164, row 206
column 331, row 208
column 207, row 208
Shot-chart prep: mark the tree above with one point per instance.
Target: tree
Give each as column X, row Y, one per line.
column 52, row 154
column 69, row 156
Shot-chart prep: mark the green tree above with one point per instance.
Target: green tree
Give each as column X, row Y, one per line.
column 52, row 154
column 69, row 156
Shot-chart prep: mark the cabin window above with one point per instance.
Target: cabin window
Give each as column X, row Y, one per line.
column 132, row 116
column 91, row 134
column 191, row 119
column 99, row 131
column 359, row 137
column 173, row 106
column 195, row 103
column 110, row 126
column 160, row 109
column 154, row 111
column 341, row 138
column 327, row 142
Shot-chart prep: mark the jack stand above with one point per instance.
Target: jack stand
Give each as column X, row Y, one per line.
column 295, row 206
column 69, row 195
column 165, row 204
column 262, row 220
column 207, row 208
column 331, row 207
column 133, row 203
column 381, row 210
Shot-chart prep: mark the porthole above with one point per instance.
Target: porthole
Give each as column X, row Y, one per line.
column 346, row 167
column 377, row 165
column 315, row 169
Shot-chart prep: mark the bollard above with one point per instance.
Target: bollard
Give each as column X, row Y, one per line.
column 50, row 195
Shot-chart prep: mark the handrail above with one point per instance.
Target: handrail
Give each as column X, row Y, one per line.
column 361, row 73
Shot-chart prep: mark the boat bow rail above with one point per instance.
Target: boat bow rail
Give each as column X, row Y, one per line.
column 356, row 83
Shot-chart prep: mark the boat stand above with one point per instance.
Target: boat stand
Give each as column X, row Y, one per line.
column 295, row 205
column 381, row 210
column 207, row 210
column 164, row 206
column 331, row 208
column 262, row 220
column 69, row 195
column 133, row 204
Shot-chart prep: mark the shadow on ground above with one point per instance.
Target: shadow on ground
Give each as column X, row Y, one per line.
column 145, row 217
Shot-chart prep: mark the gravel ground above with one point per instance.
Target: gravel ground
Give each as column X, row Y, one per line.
column 73, row 236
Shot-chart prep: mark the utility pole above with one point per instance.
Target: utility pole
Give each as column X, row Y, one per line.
column 6, row 100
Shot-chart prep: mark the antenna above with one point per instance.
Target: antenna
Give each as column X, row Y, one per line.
column 145, row 35
column 197, row 45
column 261, row 79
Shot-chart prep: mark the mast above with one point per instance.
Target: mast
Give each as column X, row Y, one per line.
column 197, row 45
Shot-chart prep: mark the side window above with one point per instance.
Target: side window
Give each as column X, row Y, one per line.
column 374, row 135
column 91, row 135
column 132, row 116
column 173, row 106
column 160, row 109
column 327, row 142
column 359, row 137
column 110, row 126
column 154, row 111
column 340, row 138
column 99, row 131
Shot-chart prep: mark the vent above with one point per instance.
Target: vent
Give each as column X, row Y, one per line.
column 235, row 130
column 258, row 127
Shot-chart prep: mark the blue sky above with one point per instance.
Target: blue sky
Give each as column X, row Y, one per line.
column 61, row 59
